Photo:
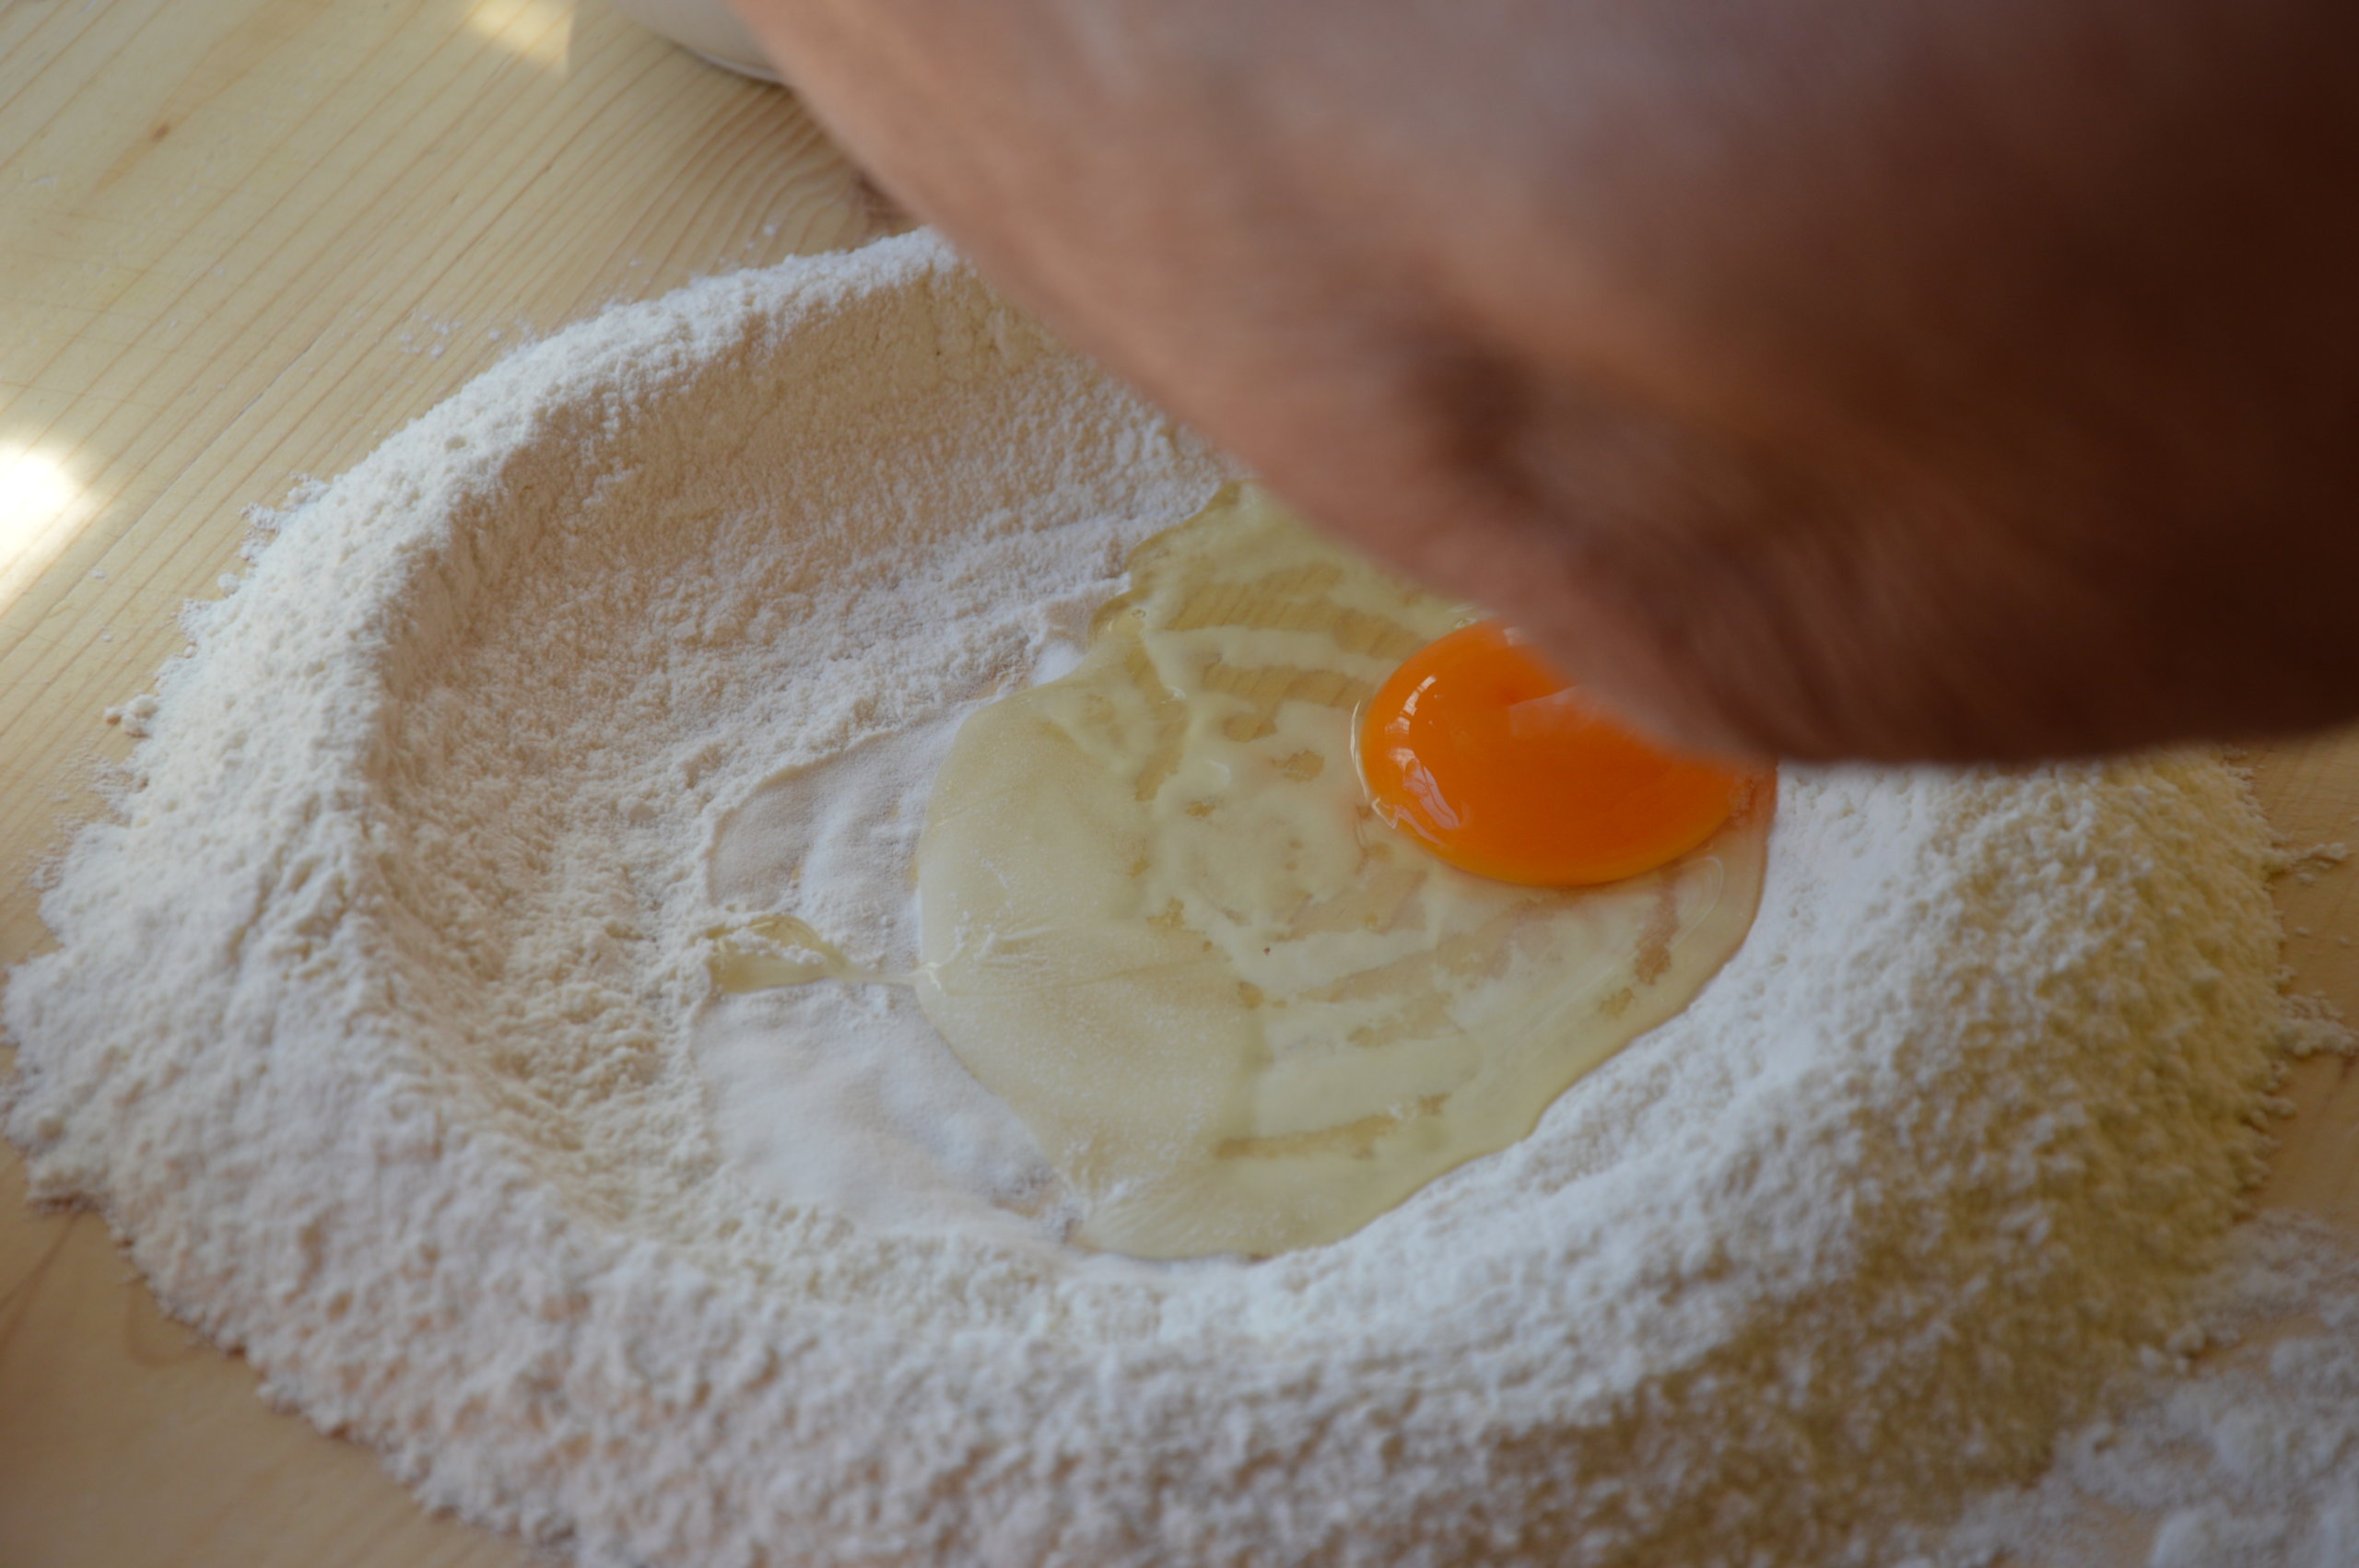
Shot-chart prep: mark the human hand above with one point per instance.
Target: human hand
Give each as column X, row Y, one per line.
column 1941, row 380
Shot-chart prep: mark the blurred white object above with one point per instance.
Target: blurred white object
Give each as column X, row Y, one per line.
column 705, row 26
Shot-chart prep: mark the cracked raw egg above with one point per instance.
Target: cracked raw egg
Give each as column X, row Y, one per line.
column 1480, row 751
column 1243, row 1004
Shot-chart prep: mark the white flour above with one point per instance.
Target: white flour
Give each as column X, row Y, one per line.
column 379, row 1026
column 2249, row 1459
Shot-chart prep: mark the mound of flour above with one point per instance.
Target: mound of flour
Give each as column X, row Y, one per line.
column 371, row 1028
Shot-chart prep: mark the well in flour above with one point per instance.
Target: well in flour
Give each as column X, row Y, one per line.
column 375, row 1022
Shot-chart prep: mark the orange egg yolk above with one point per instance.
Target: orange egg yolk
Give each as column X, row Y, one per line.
column 1501, row 766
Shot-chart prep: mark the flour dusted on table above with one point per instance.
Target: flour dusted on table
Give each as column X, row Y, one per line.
column 2247, row 1458
column 381, row 1026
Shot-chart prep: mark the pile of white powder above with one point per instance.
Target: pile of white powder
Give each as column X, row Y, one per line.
column 372, row 1028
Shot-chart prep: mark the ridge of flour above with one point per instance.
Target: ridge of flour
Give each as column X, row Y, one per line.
column 369, row 1029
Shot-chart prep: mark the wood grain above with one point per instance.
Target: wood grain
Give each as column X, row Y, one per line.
column 241, row 242
column 2311, row 792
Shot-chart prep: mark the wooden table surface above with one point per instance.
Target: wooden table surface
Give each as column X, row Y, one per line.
column 241, row 242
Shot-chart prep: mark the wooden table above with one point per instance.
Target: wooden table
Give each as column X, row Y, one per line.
column 241, row 242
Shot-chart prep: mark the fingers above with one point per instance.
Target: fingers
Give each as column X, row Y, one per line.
column 1932, row 381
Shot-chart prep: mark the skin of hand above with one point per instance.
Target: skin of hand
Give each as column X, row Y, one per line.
column 1963, row 378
